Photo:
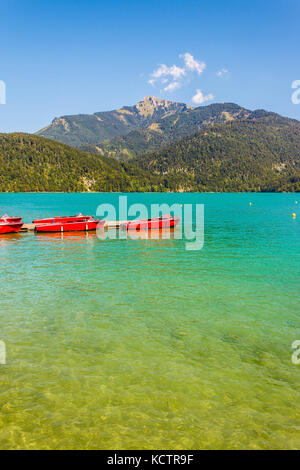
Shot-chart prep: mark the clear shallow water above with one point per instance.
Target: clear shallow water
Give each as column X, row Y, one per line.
column 144, row 345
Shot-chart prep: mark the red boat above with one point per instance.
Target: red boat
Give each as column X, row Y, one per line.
column 166, row 221
column 12, row 227
column 63, row 220
column 73, row 226
column 13, row 220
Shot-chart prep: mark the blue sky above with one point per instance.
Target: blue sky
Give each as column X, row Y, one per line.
column 75, row 56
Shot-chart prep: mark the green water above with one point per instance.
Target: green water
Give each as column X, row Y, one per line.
column 140, row 344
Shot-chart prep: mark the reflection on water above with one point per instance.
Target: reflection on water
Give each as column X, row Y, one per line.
column 5, row 238
column 109, row 234
column 141, row 344
column 66, row 236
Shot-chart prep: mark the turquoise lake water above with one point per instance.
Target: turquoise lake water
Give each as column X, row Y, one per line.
column 141, row 344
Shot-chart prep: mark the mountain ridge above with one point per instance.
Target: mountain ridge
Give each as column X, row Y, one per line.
column 172, row 128
column 168, row 129
column 150, row 125
column 172, row 147
column 86, row 129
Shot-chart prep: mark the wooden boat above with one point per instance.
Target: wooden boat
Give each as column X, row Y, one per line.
column 6, row 218
column 73, row 226
column 10, row 227
column 166, row 221
column 62, row 220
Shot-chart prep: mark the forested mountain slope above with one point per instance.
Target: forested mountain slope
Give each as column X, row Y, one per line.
column 250, row 155
column 31, row 163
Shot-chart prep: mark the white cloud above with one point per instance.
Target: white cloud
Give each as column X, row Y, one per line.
column 192, row 64
column 199, row 98
column 173, row 77
column 164, row 71
column 175, row 74
column 223, row 73
column 172, row 86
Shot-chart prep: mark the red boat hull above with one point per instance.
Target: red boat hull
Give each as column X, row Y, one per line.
column 152, row 224
column 63, row 220
column 71, row 226
column 10, row 220
column 10, row 227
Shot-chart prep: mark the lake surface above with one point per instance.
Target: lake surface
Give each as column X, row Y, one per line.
column 141, row 344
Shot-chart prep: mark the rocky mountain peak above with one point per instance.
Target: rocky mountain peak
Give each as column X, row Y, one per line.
column 150, row 104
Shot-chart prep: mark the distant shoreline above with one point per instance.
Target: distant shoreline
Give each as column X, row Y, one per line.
column 151, row 192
